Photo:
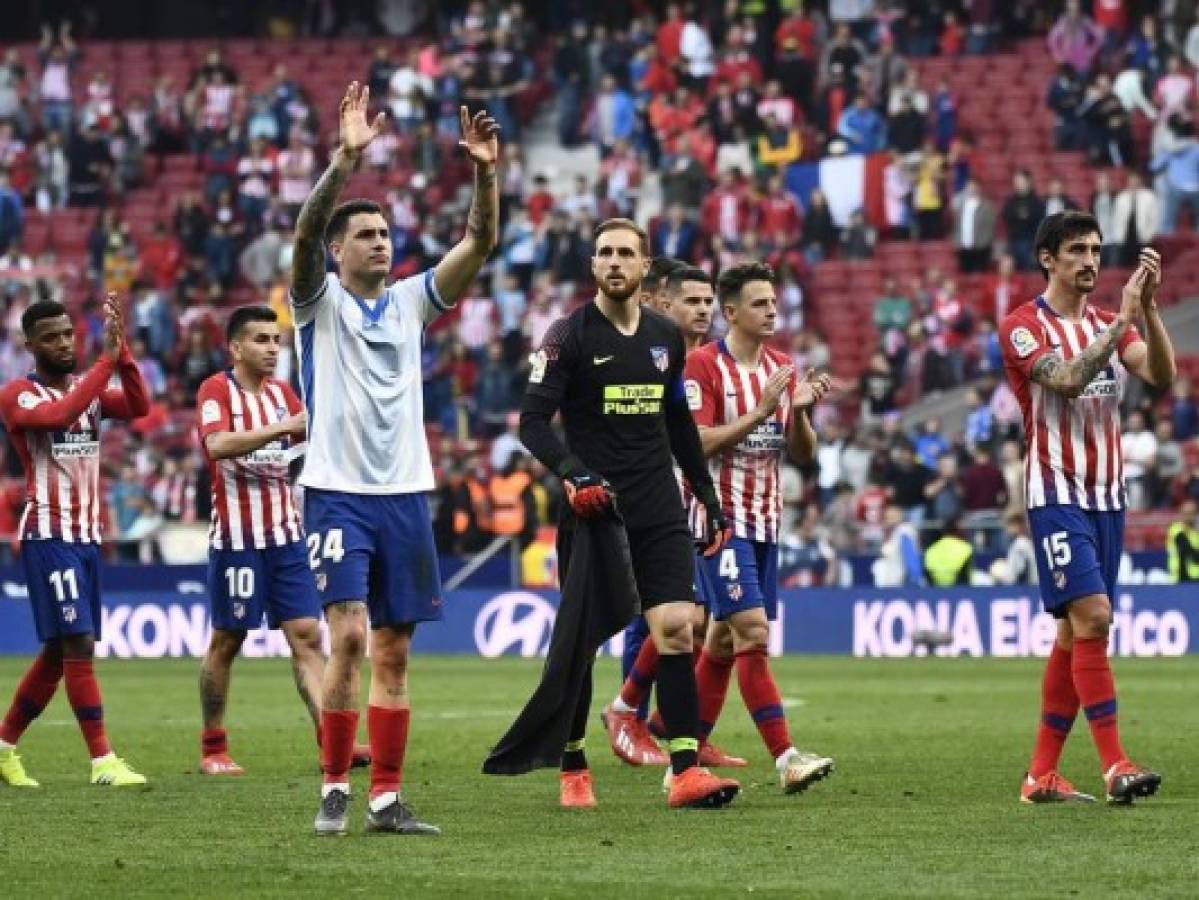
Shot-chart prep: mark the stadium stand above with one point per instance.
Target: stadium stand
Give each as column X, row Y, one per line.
column 188, row 220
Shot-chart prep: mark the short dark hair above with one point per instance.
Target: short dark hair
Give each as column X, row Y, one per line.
column 42, row 309
column 244, row 315
column 687, row 273
column 1060, row 227
column 660, row 269
column 733, row 279
column 336, row 229
column 628, row 225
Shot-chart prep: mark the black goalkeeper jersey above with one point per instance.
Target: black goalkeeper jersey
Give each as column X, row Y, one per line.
column 614, row 392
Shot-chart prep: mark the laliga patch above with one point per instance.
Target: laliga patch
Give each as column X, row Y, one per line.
column 695, row 396
column 537, row 363
column 28, row 400
column 210, row 412
column 1023, row 342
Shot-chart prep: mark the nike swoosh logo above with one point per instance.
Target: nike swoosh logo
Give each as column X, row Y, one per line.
column 600, row 360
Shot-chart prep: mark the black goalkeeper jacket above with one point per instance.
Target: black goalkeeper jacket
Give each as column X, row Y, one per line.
column 599, row 598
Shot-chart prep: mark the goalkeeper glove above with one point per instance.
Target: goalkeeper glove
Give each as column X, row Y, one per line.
column 718, row 530
column 589, row 495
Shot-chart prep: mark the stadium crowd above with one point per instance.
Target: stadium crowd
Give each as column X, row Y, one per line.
column 711, row 103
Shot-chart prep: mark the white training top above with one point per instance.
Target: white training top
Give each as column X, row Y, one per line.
column 360, row 374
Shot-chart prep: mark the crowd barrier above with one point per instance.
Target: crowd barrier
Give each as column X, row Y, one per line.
column 161, row 611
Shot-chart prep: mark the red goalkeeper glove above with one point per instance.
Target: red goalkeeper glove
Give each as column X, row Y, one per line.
column 589, row 495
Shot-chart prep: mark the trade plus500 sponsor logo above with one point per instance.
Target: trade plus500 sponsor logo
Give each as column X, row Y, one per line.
column 1017, row 627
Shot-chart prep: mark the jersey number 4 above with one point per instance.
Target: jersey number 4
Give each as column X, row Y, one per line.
column 331, row 548
column 728, row 565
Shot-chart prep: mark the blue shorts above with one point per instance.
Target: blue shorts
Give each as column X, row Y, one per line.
column 744, row 575
column 1078, row 553
column 244, row 584
column 705, row 593
column 378, row 548
column 64, row 587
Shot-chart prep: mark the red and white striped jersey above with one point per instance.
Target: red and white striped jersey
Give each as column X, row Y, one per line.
column 719, row 391
column 1073, row 455
column 252, row 502
column 56, row 435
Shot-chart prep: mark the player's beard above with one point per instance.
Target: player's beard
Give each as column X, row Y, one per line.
column 623, row 293
column 56, row 368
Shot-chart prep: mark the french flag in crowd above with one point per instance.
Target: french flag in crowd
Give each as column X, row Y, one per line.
column 848, row 182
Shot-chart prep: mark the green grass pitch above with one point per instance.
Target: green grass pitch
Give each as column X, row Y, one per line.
column 929, row 753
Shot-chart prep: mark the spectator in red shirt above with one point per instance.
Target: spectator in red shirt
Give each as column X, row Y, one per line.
column 161, row 257
column 659, row 78
column 952, row 36
column 541, row 201
column 778, row 211
column 736, row 59
column 797, row 27
column 981, row 484
column 670, row 34
column 727, row 210
column 1001, row 291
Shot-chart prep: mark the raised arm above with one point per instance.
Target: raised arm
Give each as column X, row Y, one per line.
column 308, row 259
column 132, row 399
column 1071, row 377
column 458, row 268
column 801, row 436
column 1152, row 360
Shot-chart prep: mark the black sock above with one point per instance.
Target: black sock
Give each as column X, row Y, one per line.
column 679, row 706
column 573, row 757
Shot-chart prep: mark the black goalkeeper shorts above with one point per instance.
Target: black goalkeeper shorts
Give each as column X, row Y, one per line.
column 663, row 562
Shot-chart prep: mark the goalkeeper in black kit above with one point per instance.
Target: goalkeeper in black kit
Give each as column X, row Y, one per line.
column 615, row 371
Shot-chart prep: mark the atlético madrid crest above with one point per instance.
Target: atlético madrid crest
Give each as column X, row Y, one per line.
column 660, row 357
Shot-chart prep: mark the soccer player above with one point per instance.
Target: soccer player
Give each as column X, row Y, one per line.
column 1067, row 362
column 750, row 409
column 631, row 739
column 367, row 468
column 249, row 424
column 53, row 420
column 655, row 286
column 686, row 297
column 614, row 369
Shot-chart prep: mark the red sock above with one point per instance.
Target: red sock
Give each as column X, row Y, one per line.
column 761, row 696
column 641, row 677
column 1059, row 706
column 214, row 741
column 84, row 693
column 388, row 732
column 1097, row 694
column 338, row 728
column 36, row 689
column 712, row 674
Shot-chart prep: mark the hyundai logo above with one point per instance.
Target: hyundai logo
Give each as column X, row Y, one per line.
column 515, row 619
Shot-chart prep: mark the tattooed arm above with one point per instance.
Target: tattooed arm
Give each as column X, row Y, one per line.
column 308, row 260
column 454, row 274
column 1071, row 377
